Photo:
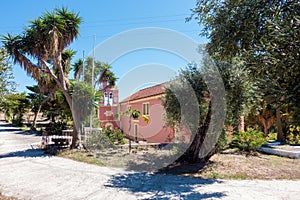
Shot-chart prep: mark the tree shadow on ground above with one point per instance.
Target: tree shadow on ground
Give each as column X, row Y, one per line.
column 34, row 133
column 31, row 153
column 10, row 130
column 163, row 164
column 16, row 130
column 150, row 161
column 161, row 186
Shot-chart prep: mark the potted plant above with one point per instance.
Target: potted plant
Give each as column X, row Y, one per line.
column 135, row 114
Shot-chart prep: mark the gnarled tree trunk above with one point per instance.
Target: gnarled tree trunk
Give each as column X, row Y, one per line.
column 192, row 154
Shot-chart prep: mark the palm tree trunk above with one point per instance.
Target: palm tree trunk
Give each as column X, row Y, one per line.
column 76, row 143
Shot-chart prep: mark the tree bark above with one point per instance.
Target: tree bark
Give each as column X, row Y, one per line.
column 35, row 116
column 76, row 143
column 40, row 107
column 61, row 82
column 191, row 155
column 266, row 130
column 280, row 135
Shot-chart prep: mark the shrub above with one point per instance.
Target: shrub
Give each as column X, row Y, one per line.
column 272, row 137
column 293, row 135
column 135, row 114
column 55, row 128
column 106, row 138
column 96, row 140
column 115, row 136
column 248, row 140
column 17, row 122
column 223, row 141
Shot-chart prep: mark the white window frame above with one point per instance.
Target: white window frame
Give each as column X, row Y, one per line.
column 146, row 109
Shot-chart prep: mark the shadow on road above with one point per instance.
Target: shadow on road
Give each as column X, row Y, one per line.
column 160, row 186
column 9, row 129
column 35, row 133
column 16, row 130
column 33, row 153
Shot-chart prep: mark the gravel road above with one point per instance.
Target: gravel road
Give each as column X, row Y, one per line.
column 27, row 173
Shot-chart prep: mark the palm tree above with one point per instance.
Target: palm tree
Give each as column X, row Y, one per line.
column 78, row 69
column 41, row 51
column 107, row 76
column 102, row 72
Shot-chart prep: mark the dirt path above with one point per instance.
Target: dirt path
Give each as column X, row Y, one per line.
column 27, row 173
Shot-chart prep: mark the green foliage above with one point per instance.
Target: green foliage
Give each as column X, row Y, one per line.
column 264, row 34
column 41, row 50
column 272, row 137
column 6, row 78
column 57, row 108
column 241, row 90
column 102, row 72
column 223, row 142
column 115, row 136
column 80, row 156
column 83, row 100
column 135, row 114
column 98, row 141
column 106, row 138
column 178, row 89
column 45, row 40
column 35, row 97
column 14, row 106
column 248, row 140
column 55, row 128
column 293, row 135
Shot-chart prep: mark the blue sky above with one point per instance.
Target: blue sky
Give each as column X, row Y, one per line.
column 105, row 19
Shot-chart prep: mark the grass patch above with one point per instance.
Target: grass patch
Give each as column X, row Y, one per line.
column 80, row 156
column 215, row 175
column 234, row 166
column 260, row 166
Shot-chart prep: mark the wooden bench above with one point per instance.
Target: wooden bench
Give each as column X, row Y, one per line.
column 63, row 140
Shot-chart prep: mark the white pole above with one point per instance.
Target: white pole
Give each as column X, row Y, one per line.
column 93, row 69
column 83, row 65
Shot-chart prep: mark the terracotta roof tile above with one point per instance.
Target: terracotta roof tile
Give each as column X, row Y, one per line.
column 147, row 92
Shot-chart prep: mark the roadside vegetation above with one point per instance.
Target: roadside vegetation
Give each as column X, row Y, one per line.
column 254, row 46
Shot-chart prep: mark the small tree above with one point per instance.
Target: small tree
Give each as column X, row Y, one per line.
column 175, row 117
column 37, row 99
column 6, row 77
column 15, row 105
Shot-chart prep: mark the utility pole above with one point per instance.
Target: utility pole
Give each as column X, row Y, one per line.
column 93, row 69
column 83, row 65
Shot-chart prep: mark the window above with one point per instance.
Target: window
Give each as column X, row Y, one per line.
column 110, row 99
column 145, row 108
column 105, row 99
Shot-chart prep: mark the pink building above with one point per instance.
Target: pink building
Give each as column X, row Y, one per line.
column 148, row 102
column 108, row 107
